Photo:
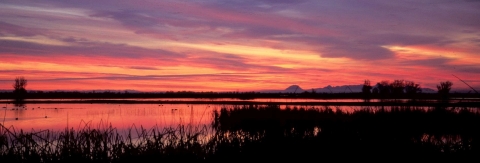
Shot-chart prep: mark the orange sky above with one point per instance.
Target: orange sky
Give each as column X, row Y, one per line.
column 151, row 45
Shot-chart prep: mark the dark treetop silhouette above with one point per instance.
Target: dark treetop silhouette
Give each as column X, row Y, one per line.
column 19, row 88
column 444, row 87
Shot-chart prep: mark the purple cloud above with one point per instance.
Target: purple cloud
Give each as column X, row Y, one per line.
column 11, row 29
column 353, row 29
column 86, row 49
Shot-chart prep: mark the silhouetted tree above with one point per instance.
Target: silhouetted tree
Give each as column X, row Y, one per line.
column 366, row 90
column 366, row 87
column 384, row 87
column 412, row 88
column 444, row 90
column 19, row 88
column 19, row 85
column 444, row 87
column 397, row 87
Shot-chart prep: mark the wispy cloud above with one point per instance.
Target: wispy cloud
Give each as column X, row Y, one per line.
column 132, row 44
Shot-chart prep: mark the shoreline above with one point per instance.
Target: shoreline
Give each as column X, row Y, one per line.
column 360, row 103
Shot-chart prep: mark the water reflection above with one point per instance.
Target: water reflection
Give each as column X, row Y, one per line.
column 59, row 116
column 223, row 132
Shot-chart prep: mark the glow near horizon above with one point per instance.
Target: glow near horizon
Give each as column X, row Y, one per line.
column 245, row 46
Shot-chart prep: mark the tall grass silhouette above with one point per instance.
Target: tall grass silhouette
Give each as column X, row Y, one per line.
column 102, row 144
column 263, row 132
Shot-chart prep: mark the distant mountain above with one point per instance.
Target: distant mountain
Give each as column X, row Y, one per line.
column 290, row 89
column 428, row 90
column 293, row 89
column 327, row 89
column 342, row 89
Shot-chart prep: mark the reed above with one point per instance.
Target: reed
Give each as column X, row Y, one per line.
column 102, row 144
column 254, row 132
column 393, row 131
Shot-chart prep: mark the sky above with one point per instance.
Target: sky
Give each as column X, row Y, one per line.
column 237, row 45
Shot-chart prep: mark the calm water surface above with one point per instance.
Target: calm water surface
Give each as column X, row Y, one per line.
column 59, row 116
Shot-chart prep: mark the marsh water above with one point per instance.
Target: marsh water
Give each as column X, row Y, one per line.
column 233, row 128
column 58, row 116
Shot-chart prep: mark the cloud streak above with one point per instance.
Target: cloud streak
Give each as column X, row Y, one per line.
column 259, row 44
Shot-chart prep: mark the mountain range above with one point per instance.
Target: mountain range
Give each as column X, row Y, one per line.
column 332, row 89
column 290, row 89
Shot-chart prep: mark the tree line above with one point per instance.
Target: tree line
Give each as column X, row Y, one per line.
column 382, row 89
column 401, row 87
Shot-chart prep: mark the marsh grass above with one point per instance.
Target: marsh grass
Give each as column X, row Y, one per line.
column 253, row 132
column 399, row 131
column 102, row 144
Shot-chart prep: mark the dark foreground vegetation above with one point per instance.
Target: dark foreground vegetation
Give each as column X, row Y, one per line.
column 369, row 133
column 252, row 133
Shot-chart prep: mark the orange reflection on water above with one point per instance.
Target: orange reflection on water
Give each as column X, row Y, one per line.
column 76, row 116
column 57, row 117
